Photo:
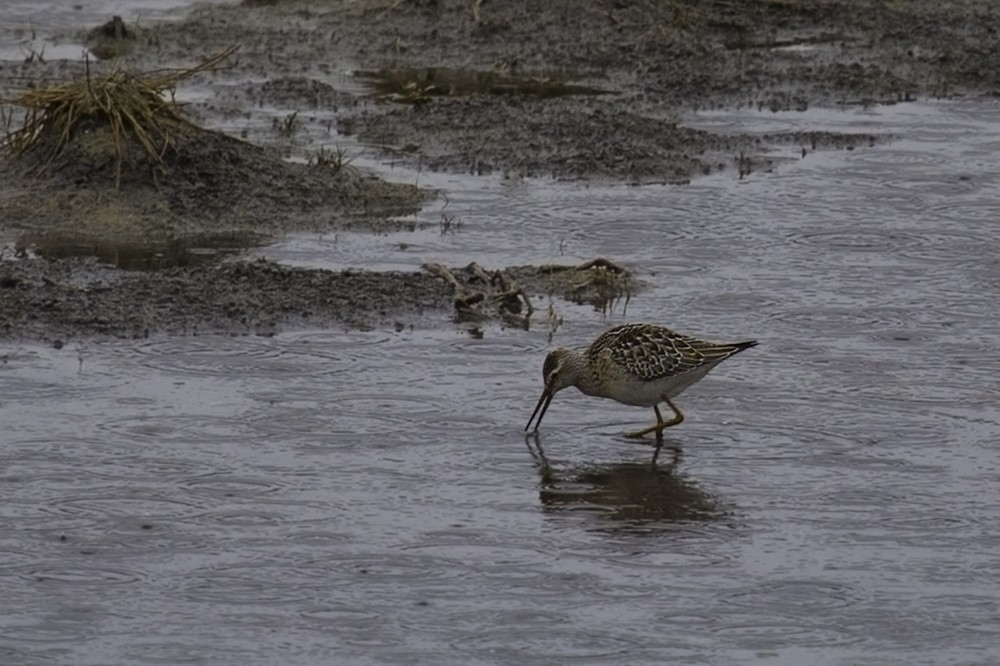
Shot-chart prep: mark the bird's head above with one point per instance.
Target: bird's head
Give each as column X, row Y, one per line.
column 558, row 370
column 561, row 369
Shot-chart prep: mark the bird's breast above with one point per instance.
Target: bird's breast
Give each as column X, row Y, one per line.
column 631, row 390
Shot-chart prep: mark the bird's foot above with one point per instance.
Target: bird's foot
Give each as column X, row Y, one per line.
column 639, row 434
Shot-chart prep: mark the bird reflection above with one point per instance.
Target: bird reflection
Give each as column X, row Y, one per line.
column 637, row 496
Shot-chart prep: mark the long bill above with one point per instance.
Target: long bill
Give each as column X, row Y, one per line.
column 543, row 404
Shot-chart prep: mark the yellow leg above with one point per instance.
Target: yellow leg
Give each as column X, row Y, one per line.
column 660, row 423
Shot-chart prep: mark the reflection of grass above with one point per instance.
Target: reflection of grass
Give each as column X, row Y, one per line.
column 131, row 105
column 450, row 224
column 418, row 85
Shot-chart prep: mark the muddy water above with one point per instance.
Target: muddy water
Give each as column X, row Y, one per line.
column 368, row 497
column 33, row 26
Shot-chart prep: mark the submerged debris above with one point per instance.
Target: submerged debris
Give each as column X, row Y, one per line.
column 479, row 295
column 485, row 295
column 599, row 282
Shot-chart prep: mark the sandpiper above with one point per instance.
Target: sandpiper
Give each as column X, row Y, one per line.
column 635, row 364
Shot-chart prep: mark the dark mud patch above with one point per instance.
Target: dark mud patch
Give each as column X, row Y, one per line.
column 664, row 60
column 51, row 300
column 208, row 183
column 119, row 175
column 110, row 158
column 80, row 297
column 573, row 140
column 300, row 93
column 461, row 73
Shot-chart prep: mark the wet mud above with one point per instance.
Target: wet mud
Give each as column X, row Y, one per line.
column 55, row 300
column 593, row 91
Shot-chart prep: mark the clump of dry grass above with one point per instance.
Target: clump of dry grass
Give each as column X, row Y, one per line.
column 131, row 105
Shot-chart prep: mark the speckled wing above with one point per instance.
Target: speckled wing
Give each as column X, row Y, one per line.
column 653, row 352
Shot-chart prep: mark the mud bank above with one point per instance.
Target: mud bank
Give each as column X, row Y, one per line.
column 597, row 89
column 588, row 90
column 75, row 297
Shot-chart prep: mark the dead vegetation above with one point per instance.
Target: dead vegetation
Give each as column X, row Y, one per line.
column 598, row 281
column 131, row 106
column 480, row 295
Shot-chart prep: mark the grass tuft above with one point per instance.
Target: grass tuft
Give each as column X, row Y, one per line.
column 131, row 105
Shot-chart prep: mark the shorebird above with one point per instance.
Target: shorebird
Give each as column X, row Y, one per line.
column 635, row 364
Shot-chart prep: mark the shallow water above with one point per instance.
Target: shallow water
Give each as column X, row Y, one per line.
column 368, row 497
column 50, row 28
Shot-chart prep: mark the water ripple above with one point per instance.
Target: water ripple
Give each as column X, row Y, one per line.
column 342, row 616
column 553, row 641
column 794, row 597
column 160, row 430
column 82, row 576
column 216, row 484
column 114, row 504
column 831, row 496
column 314, row 354
column 389, row 568
column 243, row 585
column 758, row 632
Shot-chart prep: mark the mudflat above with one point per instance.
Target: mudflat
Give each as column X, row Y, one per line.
column 573, row 90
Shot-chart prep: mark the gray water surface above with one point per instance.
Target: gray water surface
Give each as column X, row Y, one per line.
column 369, row 498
